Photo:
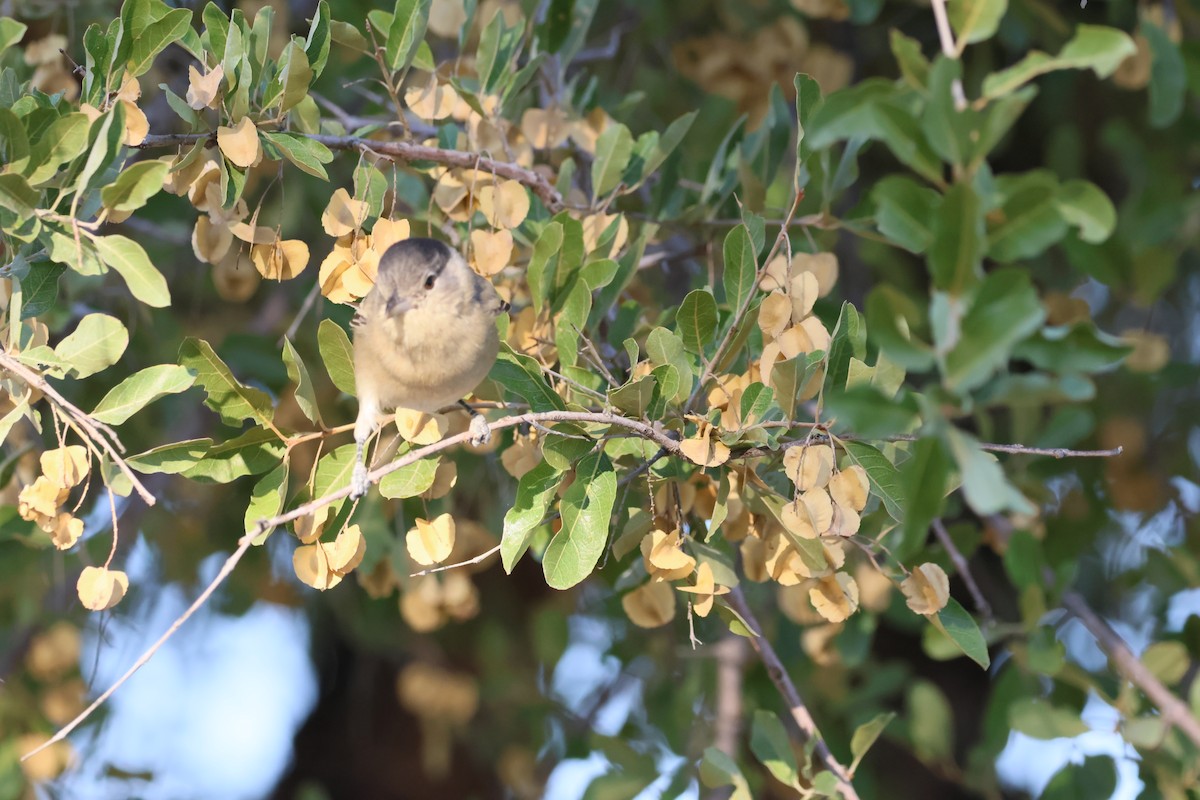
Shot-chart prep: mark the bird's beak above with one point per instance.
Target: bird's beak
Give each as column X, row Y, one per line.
column 397, row 305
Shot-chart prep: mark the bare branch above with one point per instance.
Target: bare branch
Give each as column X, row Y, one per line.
column 401, row 151
column 469, row 562
column 1174, row 711
column 94, row 429
column 225, row 571
column 964, row 569
column 787, row 689
column 994, row 447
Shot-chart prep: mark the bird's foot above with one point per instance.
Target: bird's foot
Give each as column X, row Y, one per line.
column 358, row 481
column 481, row 434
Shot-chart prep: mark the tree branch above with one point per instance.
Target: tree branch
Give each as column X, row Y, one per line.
column 1013, row 449
column 787, row 689
column 95, row 430
column 1174, row 711
column 401, row 151
column 964, row 569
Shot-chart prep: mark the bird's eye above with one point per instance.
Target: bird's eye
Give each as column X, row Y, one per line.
column 429, row 281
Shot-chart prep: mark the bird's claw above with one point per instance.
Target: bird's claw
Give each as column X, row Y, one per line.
column 481, row 434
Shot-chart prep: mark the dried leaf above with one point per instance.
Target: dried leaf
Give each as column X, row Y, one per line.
column 835, row 597
column 851, row 488
column 505, row 205
column 651, row 605
column 100, row 588
column 430, row 542
column 490, row 251
column 240, row 143
column 343, row 214
column 280, row 261
column 311, row 563
column 420, row 427
column 775, row 314
column 203, row 89
column 65, row 466
column 809, row 467
column 210, row 239
column 926, row 589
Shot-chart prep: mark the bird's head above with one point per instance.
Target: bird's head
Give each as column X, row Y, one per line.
column 417, row 273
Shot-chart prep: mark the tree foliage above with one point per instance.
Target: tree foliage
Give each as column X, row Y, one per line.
column 862, row 352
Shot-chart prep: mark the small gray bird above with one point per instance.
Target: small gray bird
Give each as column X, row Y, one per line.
column 424, row 338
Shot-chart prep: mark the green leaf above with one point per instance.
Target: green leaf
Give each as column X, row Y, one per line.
column 634, row 397
column 962, row 630
column 586, row 510
column 155, row 37
column 17, row 196
column 613, row 149
column 668, row 141
column 912, row 62
column 306, row 395
column 230, row 398
column 170, row 459
column 985, row 486
column 847, row 114
column 338, row 355
column 14, row 142
column 697, row 320
column 975, row 20
column 104, row 141
column 520, row 375
column 1081, row 347
column 266, row 500
column 135, row 185
column 63, row 141
column 808, row 100
column 1028, row 217
column 96, row 344
column 1095, row 777
column 497, row 45
column 1005, row 310
column 947, row 128
column 958, row 240
column 305, row 153
column 296, row 77
column 849, row 340
column 1168, row 76
column 334, row 470
column 663, row 347
column 884, row 477
column 923, row 482
column 1041, row 719
column 316, row 45
column 540, row 272
column 11, row 32
column 406, row 32
column 905, row 211
column 535, row 491
column 1093, row 47
column 409, row 481
column 130, row 261
column 39, row 289
column 902, row 133
column 1083, row 205
column 770, row 744
column 740, row 267
column 256, row 451
column 866, row 735
column 140, row 389
column 717, row 769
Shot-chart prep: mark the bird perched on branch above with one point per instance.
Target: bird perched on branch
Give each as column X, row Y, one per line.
column 424, row 337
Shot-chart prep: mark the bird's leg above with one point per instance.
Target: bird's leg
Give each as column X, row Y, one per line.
column 481, row 434
column 364, row 426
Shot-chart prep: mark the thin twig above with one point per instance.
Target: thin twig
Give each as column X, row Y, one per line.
column 94, row 429
column 401, row 151
column 741, row 311
column 1174, row 711
column 994, row 447
column 960, row 564
column 791, row 697
column 226, row 569
column 469, row 562
column 305, row 307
